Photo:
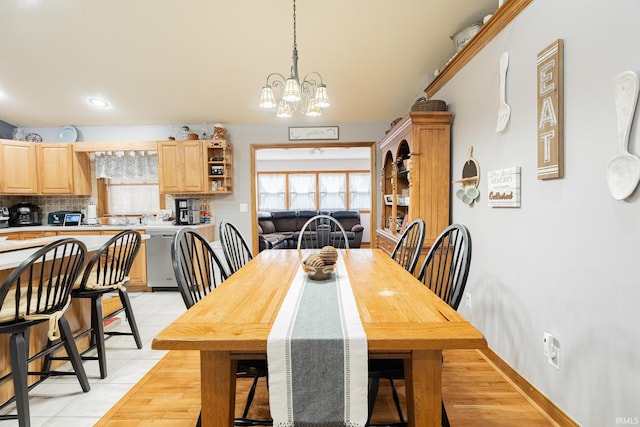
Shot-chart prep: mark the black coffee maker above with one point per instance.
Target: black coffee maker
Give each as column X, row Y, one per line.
column 187, row 211
column 24, row 214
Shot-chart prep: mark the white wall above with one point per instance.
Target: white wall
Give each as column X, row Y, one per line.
column 567, row 260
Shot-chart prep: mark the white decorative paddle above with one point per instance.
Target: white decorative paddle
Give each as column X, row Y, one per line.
column 504, row 111
column 623, row 170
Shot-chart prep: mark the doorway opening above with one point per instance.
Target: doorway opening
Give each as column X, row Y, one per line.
column 320, row 157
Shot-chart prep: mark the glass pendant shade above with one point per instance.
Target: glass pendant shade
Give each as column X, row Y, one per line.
column 322, row 98
column 284, row 109
column 267, row 100
column 291, row 90
column 312, row 109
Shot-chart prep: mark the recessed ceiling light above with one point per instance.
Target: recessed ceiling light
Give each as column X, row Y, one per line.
column 98, row 102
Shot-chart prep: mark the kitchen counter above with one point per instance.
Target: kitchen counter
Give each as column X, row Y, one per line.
column 150, row 232
column 12, row 259
column 100, row 228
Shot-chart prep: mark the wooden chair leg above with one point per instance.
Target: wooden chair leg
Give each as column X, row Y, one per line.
column 374, row 384
column 396, row 401
column 128, row 310
column 97, row 334
column 18, row 354
column 72, row 352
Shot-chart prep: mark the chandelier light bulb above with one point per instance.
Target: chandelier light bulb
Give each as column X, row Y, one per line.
column 284, row 109
column 312, row 109
column 322, row 98
column 291, row 90
column 267, row 100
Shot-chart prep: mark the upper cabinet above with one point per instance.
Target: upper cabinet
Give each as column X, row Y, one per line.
column 416, row 178
column 19, row 168
column 43, row 168
column 220, row 163
column 61, row 171
column 195, row 166
column 181, row 166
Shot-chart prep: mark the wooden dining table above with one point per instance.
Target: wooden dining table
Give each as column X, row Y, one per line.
column 401, row 317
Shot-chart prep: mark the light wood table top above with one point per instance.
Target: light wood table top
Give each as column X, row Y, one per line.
column 401, row 317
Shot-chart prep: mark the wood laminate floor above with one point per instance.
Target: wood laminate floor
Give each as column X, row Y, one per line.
column 474, row 392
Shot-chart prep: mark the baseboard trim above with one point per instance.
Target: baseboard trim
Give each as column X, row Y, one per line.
column 553, row 413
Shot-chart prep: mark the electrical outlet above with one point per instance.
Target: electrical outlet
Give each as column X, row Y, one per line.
column 467, row 299
column 551, row 346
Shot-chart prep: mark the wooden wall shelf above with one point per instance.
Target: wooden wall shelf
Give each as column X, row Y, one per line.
column 500, row 19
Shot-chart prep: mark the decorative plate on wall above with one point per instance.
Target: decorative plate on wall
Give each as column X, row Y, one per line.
column 68, row 134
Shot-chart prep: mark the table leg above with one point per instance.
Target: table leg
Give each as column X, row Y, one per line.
column 218, row 388
column 423, row 382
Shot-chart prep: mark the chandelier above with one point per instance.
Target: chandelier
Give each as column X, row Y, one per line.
column 310, row 94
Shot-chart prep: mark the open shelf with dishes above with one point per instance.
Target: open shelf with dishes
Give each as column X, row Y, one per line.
column 220, row 166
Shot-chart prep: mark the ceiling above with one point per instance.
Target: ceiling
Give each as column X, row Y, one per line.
column 205, row 61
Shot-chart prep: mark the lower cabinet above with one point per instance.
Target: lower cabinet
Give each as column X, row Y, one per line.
column 385, row 241
column 138, row 273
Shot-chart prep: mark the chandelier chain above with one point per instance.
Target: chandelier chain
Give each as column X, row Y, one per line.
column 295, row 43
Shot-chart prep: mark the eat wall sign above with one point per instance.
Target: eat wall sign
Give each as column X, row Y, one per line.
column 550, row 112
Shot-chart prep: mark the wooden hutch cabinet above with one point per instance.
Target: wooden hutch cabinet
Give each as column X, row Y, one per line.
column 416, row 176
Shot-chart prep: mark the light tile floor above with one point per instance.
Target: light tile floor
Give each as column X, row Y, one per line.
column 60, row 401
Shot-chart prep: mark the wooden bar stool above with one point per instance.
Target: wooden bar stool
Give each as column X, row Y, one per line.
column 108, row 272
column 39, row 290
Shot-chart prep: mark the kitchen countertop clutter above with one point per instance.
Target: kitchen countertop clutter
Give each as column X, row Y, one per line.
column 98, row 228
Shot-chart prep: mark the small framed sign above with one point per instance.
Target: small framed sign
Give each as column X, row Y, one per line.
column 313, row 133
column 503, row 188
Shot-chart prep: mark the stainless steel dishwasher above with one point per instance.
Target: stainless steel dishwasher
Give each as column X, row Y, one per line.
column 160, row 274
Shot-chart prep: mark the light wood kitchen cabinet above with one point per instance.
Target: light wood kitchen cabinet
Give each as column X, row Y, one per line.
column 43, row 168
column 138, row 272
column 18, row 167
column 182, row 166
column 416, row 177
column 62, row 171
column 220, row 164
column 195, row 166
column 26, row 235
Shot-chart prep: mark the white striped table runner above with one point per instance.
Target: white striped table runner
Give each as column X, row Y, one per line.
column 317, row 355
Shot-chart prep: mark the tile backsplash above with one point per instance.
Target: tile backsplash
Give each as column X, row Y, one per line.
column 49, row 203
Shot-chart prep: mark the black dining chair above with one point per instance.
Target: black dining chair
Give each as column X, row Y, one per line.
column 39, row 290
column 234, row 246
column 107, row 272
column 408, row 249
column 322, row 230
column 198, row 272
column 444, row 271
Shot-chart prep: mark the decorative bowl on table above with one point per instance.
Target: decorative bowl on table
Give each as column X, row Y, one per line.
column 319, row 273
column 320, row 266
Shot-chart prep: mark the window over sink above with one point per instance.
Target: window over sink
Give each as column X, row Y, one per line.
column 130, row 196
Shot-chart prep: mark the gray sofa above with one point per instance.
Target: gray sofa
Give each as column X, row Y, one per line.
column 281, row 229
